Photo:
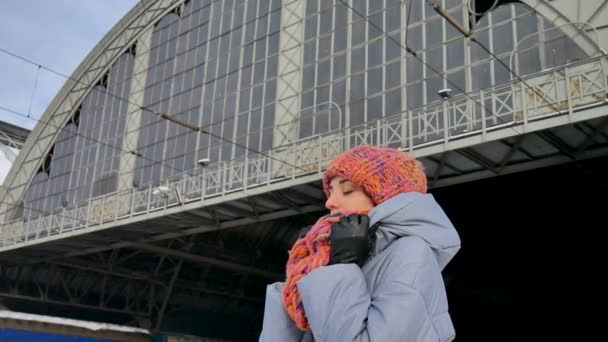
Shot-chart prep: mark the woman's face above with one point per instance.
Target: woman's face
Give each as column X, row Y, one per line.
column 345, row 195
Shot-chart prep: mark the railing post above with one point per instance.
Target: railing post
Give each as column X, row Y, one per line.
column 320, row 154
column 404, row 134
column 62, row 221
column 132, row 202
column 295, row 157
column 482, row 100
column 568, row 92
column 410, row 126
column 148, row 198
column 26, row 227
column 604, row 77
column 246, row 172
column 379, row 132
column 524, row 105
column 446, row 123
column 117, row 205
column 223, row 177
column 203, row 178
column 270, row 166
column 103, row 209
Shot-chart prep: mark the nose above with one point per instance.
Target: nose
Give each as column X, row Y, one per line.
column 332, row 202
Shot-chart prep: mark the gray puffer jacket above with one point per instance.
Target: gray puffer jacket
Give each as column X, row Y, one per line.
column 399, row 293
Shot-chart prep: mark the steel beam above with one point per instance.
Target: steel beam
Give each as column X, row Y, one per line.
column 598, row 130
column 207, row 261
column 115, row 271
column 479, row 159
column 514, row 148
column 168, row 293
column 71, row 304
column 557, row 143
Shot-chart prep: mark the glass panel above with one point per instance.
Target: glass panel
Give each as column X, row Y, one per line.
column 433, row 32
column 358, row 59
column 375, row 26
column 375, row 53
column 323, row 72
column 455, row 54
column 503, row 39
column 374, row 108
column 457, row 80
column 339, row 66
column 393, row 49
column 414, row 69
column 393, row 19
column 393, row 75
column 393, row 102
column 374, row 81
column 433, row 85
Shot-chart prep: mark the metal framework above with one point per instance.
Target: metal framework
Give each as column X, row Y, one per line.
column 146, row 254
column 92, row 69
column 577, row 90
column 112, row 283
column 593, row 13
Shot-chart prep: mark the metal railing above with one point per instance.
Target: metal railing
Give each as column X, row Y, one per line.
column 569, row 88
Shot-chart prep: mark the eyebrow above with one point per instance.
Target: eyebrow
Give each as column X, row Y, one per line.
column 340, row 182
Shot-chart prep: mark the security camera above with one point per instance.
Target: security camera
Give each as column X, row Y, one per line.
column 445, row 93
column 203, row 161
column 161, row 190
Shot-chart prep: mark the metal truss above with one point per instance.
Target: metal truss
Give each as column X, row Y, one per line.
column 460, row 122
column 93, row 68
column 290, row 71
column 110, row 282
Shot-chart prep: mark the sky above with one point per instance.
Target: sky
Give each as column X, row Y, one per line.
column 57, row 34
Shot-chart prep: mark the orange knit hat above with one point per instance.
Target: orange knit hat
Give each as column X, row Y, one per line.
column 381, row 172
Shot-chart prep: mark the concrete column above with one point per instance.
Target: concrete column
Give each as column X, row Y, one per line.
column 134, row 112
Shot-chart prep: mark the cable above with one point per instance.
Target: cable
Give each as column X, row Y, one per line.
column 86, row 137
column 198, row 129
column 483, row 13
column 434, row 70
column 407, row 22
column 29, row 110
column 468, row 34
column 165, row 116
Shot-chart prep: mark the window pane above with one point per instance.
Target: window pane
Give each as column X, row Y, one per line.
column 393, row 75
column 374, row 81
column 455, row 54
column 503, row 39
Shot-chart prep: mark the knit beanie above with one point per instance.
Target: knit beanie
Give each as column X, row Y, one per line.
column 381, row 172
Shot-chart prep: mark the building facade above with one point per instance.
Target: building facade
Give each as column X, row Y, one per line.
column 200, row 115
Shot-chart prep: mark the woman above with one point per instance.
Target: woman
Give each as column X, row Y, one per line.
column 387, row 242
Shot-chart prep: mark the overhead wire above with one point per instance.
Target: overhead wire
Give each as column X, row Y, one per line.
column 86, row 137
column 427, row 65
column 201, row 130
column 29, row 109
column 161, row 115
column 467, row 34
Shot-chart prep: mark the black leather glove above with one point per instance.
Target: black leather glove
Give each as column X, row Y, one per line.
column 349, row 240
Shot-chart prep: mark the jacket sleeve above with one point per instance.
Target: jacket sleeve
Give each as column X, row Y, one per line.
column 340, row 307
column 277, row 325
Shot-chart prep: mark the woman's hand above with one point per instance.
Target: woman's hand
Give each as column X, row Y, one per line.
column 349, row 240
